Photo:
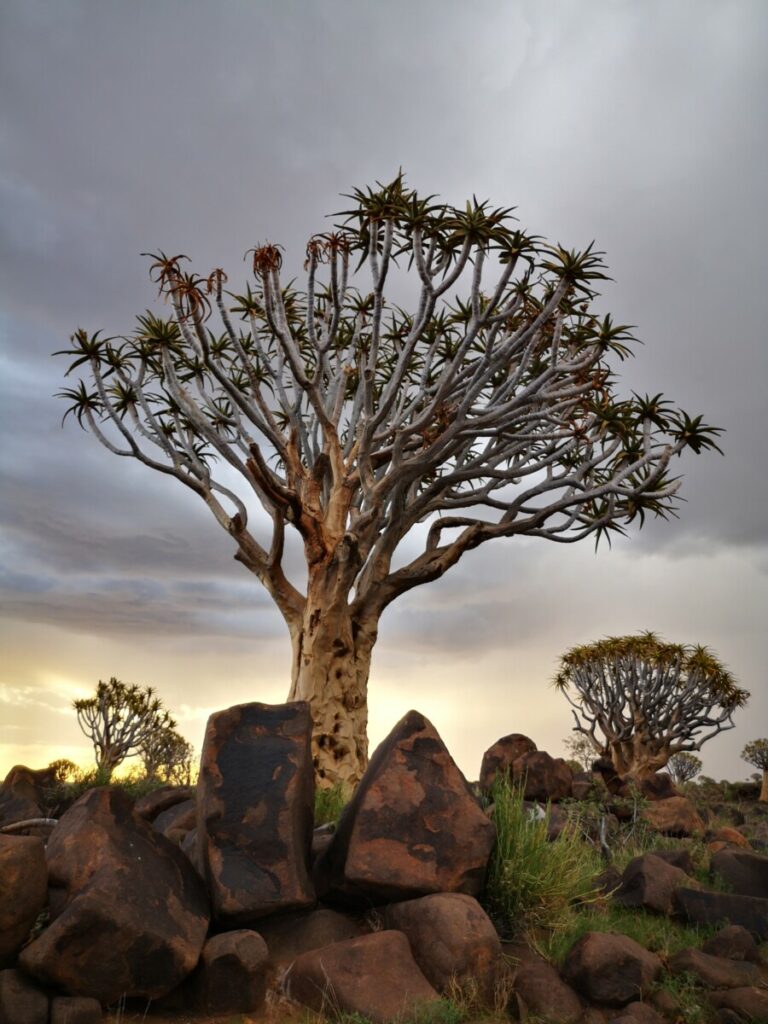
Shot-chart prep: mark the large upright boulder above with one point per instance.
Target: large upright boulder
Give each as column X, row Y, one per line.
column 133, row 914
column 255, row 806
column 23, row 891
column 649, row 882
column 498, row 759
column 22, row 793
column 412, row 828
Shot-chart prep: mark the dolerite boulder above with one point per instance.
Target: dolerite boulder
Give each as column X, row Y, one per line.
column 649, row 883
column 21, row 1001
column 412, row 828
column 543, row 777
column 255, row 805
column 135, row 913
column 22, row 793
column 159, row 800
column 289, row 935
column 75, row 1010
column 715, row 971
column 611, row 968
column 733, row 942
column 374, row 976
column 499, row 758
column 232, row 974
column 452, row 940
column 23, row 891
column 674, row 816
column 717, row 908
column 743, row 871
column 182, row 817
column 543, row 992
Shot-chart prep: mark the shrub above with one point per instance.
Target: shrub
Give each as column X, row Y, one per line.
column 329, row 803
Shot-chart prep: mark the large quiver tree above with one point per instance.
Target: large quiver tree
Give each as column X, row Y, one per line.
column 640, row 700
column 352, row 421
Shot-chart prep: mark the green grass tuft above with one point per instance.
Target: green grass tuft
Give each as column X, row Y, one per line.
column 329, row 803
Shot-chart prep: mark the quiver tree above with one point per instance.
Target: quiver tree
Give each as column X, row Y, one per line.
column 167, row 757
column 352, row 421
column 756, row 753
column 119, row 719
column 683, row 766
column 640, row 700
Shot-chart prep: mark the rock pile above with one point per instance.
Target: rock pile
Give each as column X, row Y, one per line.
column 200, row 899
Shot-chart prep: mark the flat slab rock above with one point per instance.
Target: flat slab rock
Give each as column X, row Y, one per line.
column 744, row 871
column 413, row 827
column 707, row 908
column 374, row 976
column 134, row 914
column 255, row 805
column 715, row 971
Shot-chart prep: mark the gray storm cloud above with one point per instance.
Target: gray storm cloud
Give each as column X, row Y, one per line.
column 205, row 128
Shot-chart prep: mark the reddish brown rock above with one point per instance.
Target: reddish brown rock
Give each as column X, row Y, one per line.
column 751, row 1004
column 587, row 784
column 610, row 968
column 638, row 1013
column 75, row 1010
column 289, row 935
column 707, row 908
column 715, row 971
column 179, row 817
column 413, row 826
column 374, row 976
column 730, row 836
column 658, row 786
column 675, row 816
column 499, row 758
column 21, row 1001
column 543, row 777
column 23, row 891
column 734, row 943
column 452, row 940
column 255, row 810
column 22, row 793
column 159, row 800
column 744, row 871
column 135, row 913
column 650, row 882
column 544, row 993
column 232, row 974
column 678, row 858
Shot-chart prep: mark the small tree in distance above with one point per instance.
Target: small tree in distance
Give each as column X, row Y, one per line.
column 756, row 753
column 351, row 421
column 119, row 719
column 642, row 700
column 683, row 766
column 167, row 757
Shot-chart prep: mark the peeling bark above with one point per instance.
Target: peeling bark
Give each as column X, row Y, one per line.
column 331, row 662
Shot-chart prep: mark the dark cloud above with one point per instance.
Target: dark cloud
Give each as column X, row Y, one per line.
column 203, row 128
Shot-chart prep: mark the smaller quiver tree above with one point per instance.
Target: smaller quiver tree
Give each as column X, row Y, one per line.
column 684, row 766
column 119, row 719
column 167, row 757
column 642, row 700
column 756, row 753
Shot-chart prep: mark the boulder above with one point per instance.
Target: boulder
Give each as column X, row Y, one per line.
column 500, row 757
column 680, row 857
column 751, row 1004
column 658, row 786
column 638, row 1013
column 21, row 1001
column 452, row 940
column 75, row 1010
column 587, row 784
column 159, row 800
column 289, row 935
column 610, row 968
column 135, row 913
column 23, row 891
column 374, row 976
column 733, row 942
column 255, row 804
column 413, row 826
column 650, row 882
column 23, row 793
column 674, row 816
column 232, row 974
column 180, row 817
column 715, row 971
column 715, row 908
column 729, row 836
column 544, row 778
column 543, row 992
column 744, row 871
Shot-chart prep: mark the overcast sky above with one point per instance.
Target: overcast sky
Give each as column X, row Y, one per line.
column 203, row 128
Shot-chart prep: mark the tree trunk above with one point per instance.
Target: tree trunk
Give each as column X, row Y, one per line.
column 331, row 662
column 633, row 757
column 764, row 788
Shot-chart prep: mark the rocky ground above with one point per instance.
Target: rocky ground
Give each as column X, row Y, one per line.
column 228, row 902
